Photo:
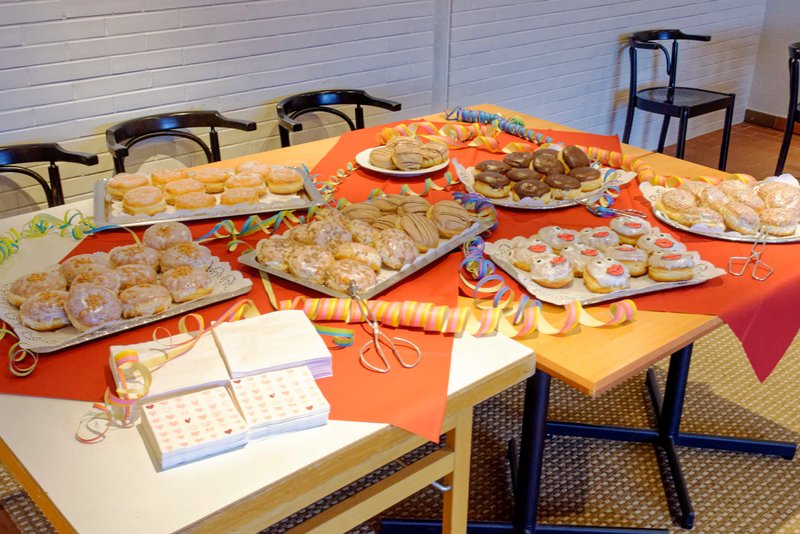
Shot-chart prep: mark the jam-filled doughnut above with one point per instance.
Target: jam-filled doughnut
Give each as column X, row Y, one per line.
column 89, row 306
column 285, row 181
column 421, row 230
column 551, row 271
column 589, row 177
column 162, row 236
column 328, row 234
column 239, row 195
column 670, row 266
column 362, row 232
column 491, row 165
column 247, row 179
column 343, row 271
column 413, row 204
column 262, row 169
column 629, row 228
column 276, row 252
column 635, row 259
column 601, row 237
column 144, row 300
column 44, row 310
column 534, row 189
column 664, row 242
column 492, row 184
column 606, row 275
column 563, row 186
column 186, row 254
column 70, row 267
column 518, row 175
column 146, row 199
column 177, row 188
column 311, row 263
column 361, row 253
column 162, row 177
column 558, row 237
column 23, row 288
column 519, row 160
column 212, row 178
column 740, row 218
column 187, row 283
column 579, row 255
column 98, row 275
column 574, row 157
column 138, row 254
column 523, row 254
column 396, row 248
column 449, row 217
column 122, row 183
column 134, row 274
column 198, row 200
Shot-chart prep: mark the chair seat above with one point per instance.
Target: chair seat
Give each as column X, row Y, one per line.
column 699, row 101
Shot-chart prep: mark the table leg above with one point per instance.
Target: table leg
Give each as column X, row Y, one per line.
column 456, row 500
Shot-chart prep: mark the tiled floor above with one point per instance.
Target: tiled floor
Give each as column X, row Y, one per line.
column 753, row 150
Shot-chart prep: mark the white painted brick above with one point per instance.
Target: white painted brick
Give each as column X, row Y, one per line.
column 35, row 96
column 281, row 8
column 106, row 46
column 219, row 87
column 111, row 85
column 362, row 16
column 249, row 64
column 32, row 55
column 52, row 32
column 402, row 11
column 88, row 8
column 149, row 98
column 146, row 60
column 214, row 52
column 213, row 15
column 71, row 70
column 178, row 75
column 53, row 133
column 178, row 38
column 73, row 110
column 14, row 120
column 14, row 78
column 23, row 12
column 10, row 36
column 155, row 5
column 246, row 30
column 302, row 23
column 279, row 77
column 142, row 22
column 318, row 55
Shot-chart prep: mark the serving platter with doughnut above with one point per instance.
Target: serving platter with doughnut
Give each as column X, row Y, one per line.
column 405, row 157
column 90, row 296
column 375, row 244
column 731, row 211
column 593, row 265
column 182, row 195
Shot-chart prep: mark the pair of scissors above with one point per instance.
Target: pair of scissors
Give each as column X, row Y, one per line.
column 378, row 336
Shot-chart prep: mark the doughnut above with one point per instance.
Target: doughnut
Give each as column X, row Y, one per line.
column 285, row 181
column 138, row 253
column 299, row 233
column 262, row 169
column 664, row 242
column 670, row 266
column 134, row 275
column 579, row 255
column 384, row 222
column 740, row 218
column 145, row 199
column 694, row 187
column 413, row 204
column 187, row 283
column 635, row 259
column 519, row 160
column 606, row 275
column 601, row 238
column 546, row 152
column 574, row 157
column 407, row 157
column 421, row 230
column 328, row 234
column 430, row 157
column 162, row 236
column 247, row 179
column 779, row 195
column 162, row 177
column 491, row 165
column 98, row 275
column 311, row 263
column 674, row 202
column 195, row 201
column 548, row 165
column 186, row 254
column 122, row 183
column 589, row 177
column 144, row 300
column 449, row 217
column 748, row 197
column 779, row 221
column 44, row 310
column 563, row 186
column 177, row 188
column 551, row 271
column 629, row 228
column 362, row 211
column 239, row 195
column 362, row 232
column 276, row 252
column 441, row 148
column 212, row 178
column 403, row 139
column 381, row 157
column 534, row 189
column 713, row 198
column 89, row 306
column 70, row 267
column 730, row 186
column 523, row 254
column 518, row 175
column 25, row 287
column 558, row 237
column 327, row 213
column 360, row 253
column 388, row 203
column 492, row 184
column 343, row 271
column 700, row 215
column 396, row 248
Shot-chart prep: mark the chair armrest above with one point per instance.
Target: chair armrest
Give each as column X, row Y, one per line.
column 690, row 37
column 117, row 150
column 391, row 105
column 287, row 123
column 236, row 124
column 644, row 45
column 71, row 156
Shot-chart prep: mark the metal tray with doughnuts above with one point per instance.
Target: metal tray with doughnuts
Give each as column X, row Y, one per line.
column 108, row 211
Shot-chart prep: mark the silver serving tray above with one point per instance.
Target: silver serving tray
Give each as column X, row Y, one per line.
column 444, row 248
column 103, row 202
column 725, row 236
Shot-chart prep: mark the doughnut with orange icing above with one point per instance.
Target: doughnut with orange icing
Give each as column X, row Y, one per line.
column 44, row 310
column 70, row 267
column 187, row 283
column 186, row 254
column 144, row 300
column 134, row 275
column 90, row 305
column 23, row 288
column 162, row 236
column 341, row 272
column 137, row 253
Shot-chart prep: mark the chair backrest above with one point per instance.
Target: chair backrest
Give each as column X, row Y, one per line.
column 794, row 76
column 293, row 106
column 122, row 136
column 14, row 155
column 644, row 41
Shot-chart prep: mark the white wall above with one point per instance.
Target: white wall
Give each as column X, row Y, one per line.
column 71, row 68
column 770, row 92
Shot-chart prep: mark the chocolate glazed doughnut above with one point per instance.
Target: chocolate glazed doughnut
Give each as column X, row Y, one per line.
column 575, row 157
column 548, row 165
column 492, row 184
column 535, row 189
column 563, row 186
column 492, row 165
column 519, row 160
column 517, row 175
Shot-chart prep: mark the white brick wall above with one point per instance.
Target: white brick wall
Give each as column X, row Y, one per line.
column 71, row 68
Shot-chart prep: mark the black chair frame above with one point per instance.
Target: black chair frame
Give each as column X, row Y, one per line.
column 294, row 106
column 794, row 112
column 124, row 135
column 12, row 156
column 643, row 41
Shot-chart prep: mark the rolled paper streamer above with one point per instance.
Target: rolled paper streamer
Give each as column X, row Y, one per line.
column 17, row 355
column 741, row 177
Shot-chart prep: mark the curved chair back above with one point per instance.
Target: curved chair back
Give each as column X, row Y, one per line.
column 293, row 106
column 644, row 41
column 12, row 156
column 122, row 136
column 793, row 115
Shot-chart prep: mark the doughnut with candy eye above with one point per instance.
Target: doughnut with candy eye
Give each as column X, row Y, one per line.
column 606, row 275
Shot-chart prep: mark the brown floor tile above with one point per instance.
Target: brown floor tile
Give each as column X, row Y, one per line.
column 6, row 525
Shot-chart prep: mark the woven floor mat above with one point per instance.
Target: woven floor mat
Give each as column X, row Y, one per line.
column 606, row 483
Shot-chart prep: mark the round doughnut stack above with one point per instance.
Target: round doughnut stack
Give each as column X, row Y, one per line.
column 604, row 259
column 547, row 174
column 735, row 205
column 90, row 290
column 408, row 154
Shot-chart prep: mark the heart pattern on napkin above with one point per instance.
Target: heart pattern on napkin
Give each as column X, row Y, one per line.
column 277, row 396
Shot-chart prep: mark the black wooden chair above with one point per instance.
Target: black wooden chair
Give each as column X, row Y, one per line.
column 12, row 156
column 672, row 101
column 293, row 106
column 794, row 111
column 122, row 136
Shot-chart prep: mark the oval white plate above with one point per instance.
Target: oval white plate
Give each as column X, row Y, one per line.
column 362, row 158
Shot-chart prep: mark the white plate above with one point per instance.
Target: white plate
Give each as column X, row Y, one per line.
column 362, row 158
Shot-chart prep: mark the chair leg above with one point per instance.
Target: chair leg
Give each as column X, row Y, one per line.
column 214, row 138
column 626, row 134
column 726, row 136
column 787, row 140
column 119, row 164
column 284, row 137
column 662, row 139
column 682, row 133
